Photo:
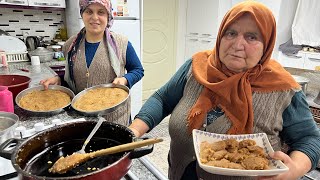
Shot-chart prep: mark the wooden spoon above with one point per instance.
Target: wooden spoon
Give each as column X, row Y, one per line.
column 64, row 164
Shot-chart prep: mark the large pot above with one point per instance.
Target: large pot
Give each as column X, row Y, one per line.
column 30, row 158
column 104, row 111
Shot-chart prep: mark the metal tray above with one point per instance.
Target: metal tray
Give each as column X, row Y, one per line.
column 104, row 111
column 40, row 87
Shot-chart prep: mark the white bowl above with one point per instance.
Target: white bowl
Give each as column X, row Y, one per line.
column 276, row 166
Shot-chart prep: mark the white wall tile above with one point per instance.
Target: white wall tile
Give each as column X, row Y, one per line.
column 37, row 22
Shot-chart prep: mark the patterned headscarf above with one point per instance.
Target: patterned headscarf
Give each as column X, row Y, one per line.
column 112, row 46
column 83, row 4
column 230, row 91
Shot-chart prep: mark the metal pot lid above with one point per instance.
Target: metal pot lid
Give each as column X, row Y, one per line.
column 40, row 51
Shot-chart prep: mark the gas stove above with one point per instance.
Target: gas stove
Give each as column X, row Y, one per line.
column 6, row 169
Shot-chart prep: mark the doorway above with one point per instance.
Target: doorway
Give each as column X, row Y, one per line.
column 159, row 43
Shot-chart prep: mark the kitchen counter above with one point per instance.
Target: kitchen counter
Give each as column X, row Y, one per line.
column 36, row 73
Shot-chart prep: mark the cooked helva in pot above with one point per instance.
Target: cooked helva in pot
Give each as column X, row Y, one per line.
column 44, row 100
column 100, row 98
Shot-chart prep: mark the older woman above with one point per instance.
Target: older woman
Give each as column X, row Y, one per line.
column 235, row 89
column 98, row 56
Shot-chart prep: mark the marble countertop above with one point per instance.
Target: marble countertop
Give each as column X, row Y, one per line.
column 36, row 73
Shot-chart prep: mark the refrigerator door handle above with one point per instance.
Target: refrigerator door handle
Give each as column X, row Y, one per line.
column 125, row 18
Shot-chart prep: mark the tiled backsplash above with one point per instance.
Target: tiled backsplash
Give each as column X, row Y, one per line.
column 21, row 23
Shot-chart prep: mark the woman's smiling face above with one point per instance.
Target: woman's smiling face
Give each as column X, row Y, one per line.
column 241, row 45
column 95, row 18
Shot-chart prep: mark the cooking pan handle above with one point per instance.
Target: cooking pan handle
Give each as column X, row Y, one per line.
column 139, row 152
column 7, row 147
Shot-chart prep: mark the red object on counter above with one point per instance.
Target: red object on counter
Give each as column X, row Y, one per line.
column 15, row 83
column 6, row 100
column 24, row 70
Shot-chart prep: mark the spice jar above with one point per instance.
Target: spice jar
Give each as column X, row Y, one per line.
column 6, row 99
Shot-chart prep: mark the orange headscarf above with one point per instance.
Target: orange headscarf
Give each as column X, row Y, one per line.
column 230, row 91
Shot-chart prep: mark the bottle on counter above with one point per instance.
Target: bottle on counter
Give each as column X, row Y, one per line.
column 3, row 58
column 6, row 100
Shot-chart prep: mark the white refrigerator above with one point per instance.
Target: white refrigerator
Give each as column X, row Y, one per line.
column 130, row 25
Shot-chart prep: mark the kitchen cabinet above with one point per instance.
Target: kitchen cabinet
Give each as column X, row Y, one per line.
column 302, row 60
column 15, row 2
column 195, row 44
column 37, row 3
column 48, row 3
column 201, row 18
column 201, row 26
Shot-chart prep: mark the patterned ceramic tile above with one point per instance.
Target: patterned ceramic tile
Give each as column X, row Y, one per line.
column 31, row 22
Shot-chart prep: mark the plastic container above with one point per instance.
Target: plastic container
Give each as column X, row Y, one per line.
column 6, row 100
